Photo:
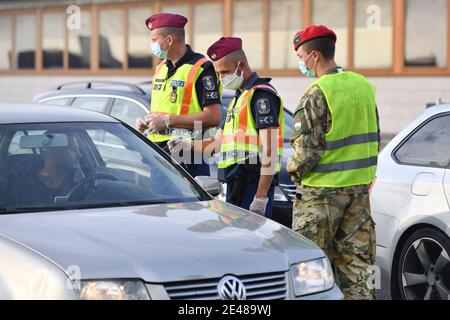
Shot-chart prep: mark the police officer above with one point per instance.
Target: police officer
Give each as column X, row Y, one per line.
column 185, row 89
column 251, row 138
column 336, row 144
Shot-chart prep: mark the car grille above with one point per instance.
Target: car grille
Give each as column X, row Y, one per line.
column 270, row 286
column 289, row 190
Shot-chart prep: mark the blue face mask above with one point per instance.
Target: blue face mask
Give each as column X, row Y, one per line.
column 304, row 69
column 157, row 51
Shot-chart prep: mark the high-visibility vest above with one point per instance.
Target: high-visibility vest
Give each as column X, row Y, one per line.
column 175, row 95
column 351, row 145
column 240, row 138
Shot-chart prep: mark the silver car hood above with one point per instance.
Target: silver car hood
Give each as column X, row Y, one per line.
column 160, row 243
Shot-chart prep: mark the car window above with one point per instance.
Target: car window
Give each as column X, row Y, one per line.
column 127, row 111
column 58, row 101
column 116, row 154
column 59, row 166
column 428, row 146
column 91, row 103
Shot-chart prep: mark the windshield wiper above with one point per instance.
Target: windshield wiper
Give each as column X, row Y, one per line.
column 31, row 209
column 131, row 203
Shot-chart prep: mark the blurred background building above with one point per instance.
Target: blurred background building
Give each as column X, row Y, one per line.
column 401, row 45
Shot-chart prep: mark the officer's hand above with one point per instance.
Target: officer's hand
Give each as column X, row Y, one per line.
column 176, row 144
column 141, row 124
column 157, row 123
column 259, row 206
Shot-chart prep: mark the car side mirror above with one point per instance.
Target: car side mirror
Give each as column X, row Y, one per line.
column 210, row 184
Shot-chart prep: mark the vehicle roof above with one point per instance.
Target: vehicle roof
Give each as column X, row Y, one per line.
column 114, row 88
column 436, row 109
column 14, row 112
column 143, row 98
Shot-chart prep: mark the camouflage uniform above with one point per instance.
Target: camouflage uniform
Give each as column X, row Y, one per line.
column 337, row 219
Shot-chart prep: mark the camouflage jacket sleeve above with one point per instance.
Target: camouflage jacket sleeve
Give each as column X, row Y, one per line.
column 308, row 134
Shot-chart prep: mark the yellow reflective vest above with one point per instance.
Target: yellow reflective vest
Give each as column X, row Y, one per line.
column 351, row 145
column 175, row 95
column 240, row 138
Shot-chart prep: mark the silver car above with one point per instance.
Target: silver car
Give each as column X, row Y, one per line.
column 78, row 222
column 411, row 207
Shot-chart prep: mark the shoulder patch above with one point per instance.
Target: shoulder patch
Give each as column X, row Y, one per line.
column 302, row 122
column 297, row 124
column 263, row 106
column 208, row 83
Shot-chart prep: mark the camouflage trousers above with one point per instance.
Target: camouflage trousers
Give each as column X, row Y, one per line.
column 342, row 226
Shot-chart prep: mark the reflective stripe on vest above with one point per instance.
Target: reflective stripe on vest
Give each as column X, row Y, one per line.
column 347, row 165
column 185, row 105
column 240, row 138
column 356, row 139
column 351, row 145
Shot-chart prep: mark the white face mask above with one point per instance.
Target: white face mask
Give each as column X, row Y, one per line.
column 233, row 81
column 304, row 69
column 157, row 51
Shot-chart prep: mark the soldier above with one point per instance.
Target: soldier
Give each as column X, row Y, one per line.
column 336, row 144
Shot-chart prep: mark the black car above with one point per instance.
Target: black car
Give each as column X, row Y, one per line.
column 128, row 101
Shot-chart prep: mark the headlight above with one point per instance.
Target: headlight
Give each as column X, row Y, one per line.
column 279, row 195
column 312, row 277
column 113, row 290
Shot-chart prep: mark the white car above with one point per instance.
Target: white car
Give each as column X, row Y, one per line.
column 411, row 207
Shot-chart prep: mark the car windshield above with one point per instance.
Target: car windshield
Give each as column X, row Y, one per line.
column 57, row 166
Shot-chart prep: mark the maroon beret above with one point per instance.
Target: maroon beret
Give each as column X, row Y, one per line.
column 311, row 33
column 165, row 20
column 224, row 46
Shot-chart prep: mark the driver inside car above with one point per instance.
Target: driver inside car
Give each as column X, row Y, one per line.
column 54, row 177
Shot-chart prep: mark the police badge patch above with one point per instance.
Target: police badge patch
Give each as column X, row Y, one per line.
column 208, row 83
column 263, row 106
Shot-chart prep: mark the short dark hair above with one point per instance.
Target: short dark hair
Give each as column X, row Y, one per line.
column 325, row 46
column 178, row 33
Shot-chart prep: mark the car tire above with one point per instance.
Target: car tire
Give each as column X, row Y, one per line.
column 422, row 271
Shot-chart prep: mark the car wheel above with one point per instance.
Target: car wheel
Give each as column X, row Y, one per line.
column 423, row 269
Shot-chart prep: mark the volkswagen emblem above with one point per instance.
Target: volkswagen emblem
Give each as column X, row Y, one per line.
column 231, row 288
